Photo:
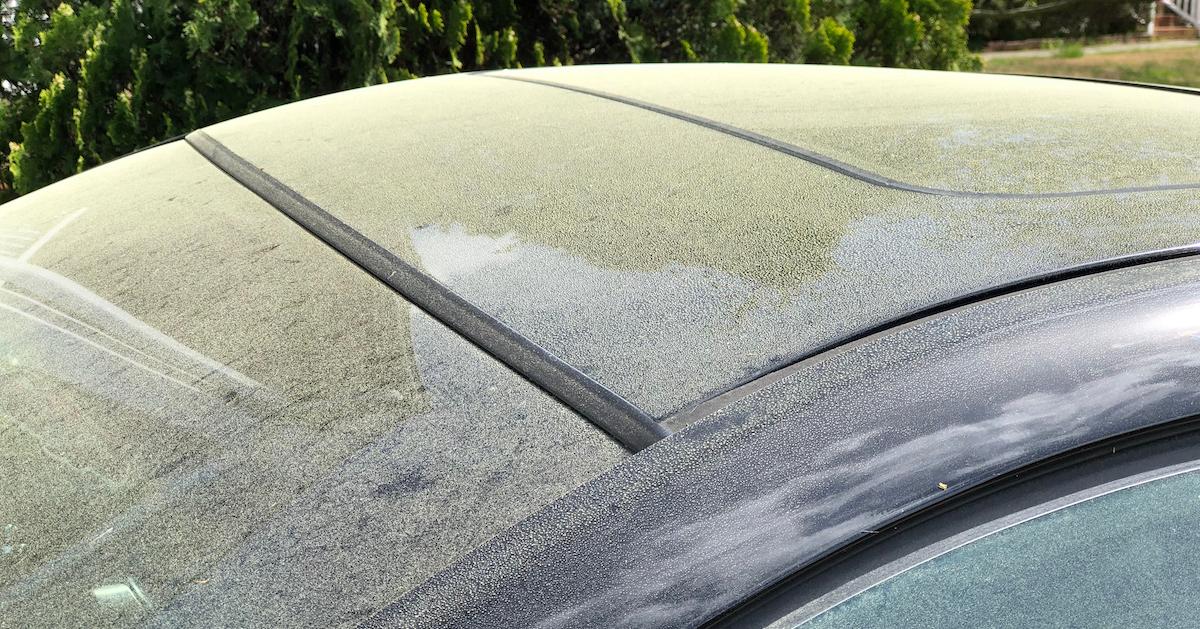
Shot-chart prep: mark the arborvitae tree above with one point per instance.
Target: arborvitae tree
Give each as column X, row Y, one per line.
column 84, row 81
column 830, row 43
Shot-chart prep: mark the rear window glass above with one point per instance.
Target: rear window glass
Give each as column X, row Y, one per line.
column 1122, row 559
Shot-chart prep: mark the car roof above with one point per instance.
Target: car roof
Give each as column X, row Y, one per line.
column 641, row 257
column 673, row 231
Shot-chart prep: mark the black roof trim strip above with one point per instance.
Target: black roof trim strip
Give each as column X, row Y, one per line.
column 830, row 163
column 626, row 423
column 755, row 383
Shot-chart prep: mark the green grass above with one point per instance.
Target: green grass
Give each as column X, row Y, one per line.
column 1069, row 51
column 1173, row 66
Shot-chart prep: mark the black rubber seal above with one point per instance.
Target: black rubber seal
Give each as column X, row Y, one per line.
column 748, row 386
column 623, row 421
column 830, row 163
column 1162, row 87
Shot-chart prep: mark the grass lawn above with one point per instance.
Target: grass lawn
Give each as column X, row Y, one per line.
column 1174, row 66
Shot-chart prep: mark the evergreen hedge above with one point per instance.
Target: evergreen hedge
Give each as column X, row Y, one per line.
column 87, row 81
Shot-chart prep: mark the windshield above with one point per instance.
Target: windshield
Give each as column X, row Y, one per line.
column 209, row 418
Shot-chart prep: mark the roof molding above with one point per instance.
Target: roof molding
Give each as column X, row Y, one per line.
column 624, row 422
column 751, row 385
column 1179, row 89
column 825, row 161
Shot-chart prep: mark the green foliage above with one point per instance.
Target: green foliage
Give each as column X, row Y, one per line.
column 85, row 81
column 890, row 31
column 49, row 152
column 927, row 34
column 789, row 23
column 1073, row 50
column 944, row 46
column 830, row 43
column 1037, row 19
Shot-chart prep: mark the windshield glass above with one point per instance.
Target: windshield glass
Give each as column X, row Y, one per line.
column 208, row 418
column 1126, row 558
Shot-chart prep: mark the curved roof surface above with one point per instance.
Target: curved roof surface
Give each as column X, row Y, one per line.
column 668, row 257
column 223, row 407
column 960, row 133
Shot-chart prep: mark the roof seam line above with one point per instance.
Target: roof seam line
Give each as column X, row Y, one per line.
column 1178, row 89
column 825, row 161
column 627, row 424
column 714, row 403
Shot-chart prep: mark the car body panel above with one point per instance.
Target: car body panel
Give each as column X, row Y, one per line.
column 838, row 448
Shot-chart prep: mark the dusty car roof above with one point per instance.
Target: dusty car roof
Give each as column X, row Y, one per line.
column 955, row 132
column 255, row 408
column 682, row 228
